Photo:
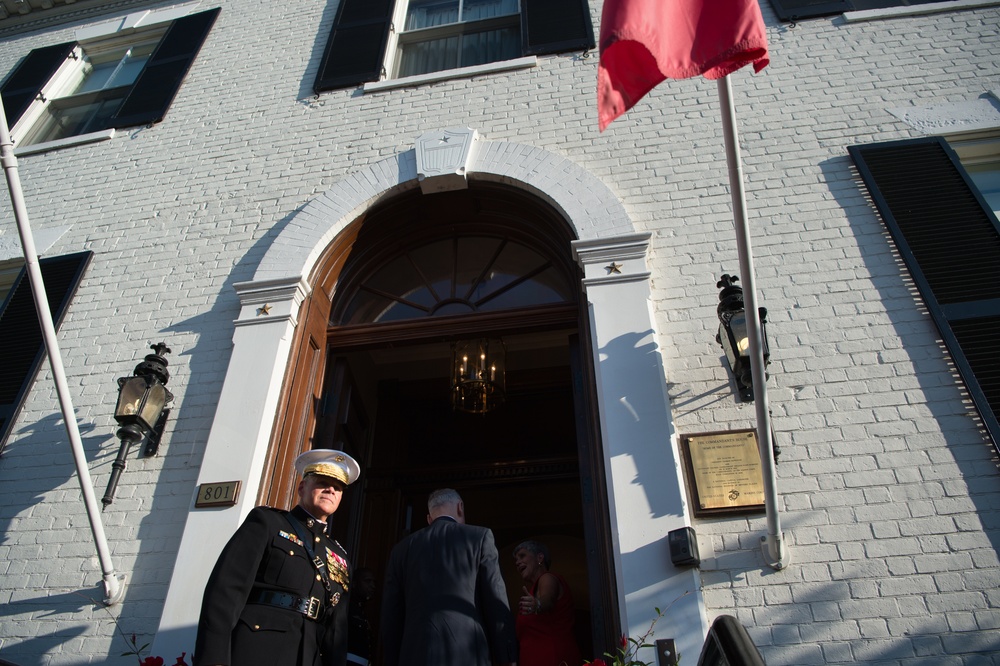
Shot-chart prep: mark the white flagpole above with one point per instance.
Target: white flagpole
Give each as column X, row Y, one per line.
column 775, row 550
column 114, row 585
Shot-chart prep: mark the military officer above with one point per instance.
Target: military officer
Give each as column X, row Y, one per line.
column 278, row 593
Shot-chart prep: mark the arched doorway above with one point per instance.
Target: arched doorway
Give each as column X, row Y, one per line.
column 372, row 375
column 630, row 482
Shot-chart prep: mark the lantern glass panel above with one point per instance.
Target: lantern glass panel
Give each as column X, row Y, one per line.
column 729, row 345
column 130, row 397
column 140, row 400
column 738, row 325
column 156, row 398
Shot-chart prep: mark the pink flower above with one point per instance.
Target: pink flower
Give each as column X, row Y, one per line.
column 624, row 640
column 152, row 661
column 597, row 662
column 180, row 660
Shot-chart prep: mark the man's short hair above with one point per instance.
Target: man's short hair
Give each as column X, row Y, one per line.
column 442, row 497
column 536, row 548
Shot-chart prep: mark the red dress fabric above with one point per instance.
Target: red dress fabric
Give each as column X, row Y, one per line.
column 546, row 639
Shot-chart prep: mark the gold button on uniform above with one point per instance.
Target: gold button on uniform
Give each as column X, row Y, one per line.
column 291, row 552
column 318, row 578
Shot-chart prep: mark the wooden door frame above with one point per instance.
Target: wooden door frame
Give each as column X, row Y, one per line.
column 295, row 418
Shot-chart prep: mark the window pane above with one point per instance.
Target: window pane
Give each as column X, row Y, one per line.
column 367, row 307
column 491, row 46
column 114, row 68
column 474, row 10
column 9, row 269
column 399, row 279
column 430, row 56
column 60, row 121
column 129, row 68
column 546, row 287
column 987, row 179
column 429, row 13
column 435, row 262
column 398, row 312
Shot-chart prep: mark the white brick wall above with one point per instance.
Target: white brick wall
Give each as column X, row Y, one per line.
column 889, row 492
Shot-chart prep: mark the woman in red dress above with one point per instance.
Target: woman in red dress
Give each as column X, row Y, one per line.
column 545, row 617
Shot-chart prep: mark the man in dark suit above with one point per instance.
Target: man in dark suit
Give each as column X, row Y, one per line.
column 278, row 593
column 444, row 601
column 359, row 635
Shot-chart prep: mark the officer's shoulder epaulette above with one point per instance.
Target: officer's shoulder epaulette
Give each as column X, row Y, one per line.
column 271, row 509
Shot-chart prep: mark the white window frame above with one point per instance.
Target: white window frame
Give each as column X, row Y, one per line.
column 979, row 149
column 398, row 37
column 59, row 91
column 9, row 268
column 98, row 39
column 859, row 15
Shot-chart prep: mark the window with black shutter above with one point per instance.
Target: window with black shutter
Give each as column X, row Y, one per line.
column 950, row 240
column 795, row 10
column 22, row 347
column 117, row 81
column 440, row 35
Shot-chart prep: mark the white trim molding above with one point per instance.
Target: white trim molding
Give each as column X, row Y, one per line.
column 645, row 479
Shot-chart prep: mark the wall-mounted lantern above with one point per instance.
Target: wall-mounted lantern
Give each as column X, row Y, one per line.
column 141, row 412
column 733, row 335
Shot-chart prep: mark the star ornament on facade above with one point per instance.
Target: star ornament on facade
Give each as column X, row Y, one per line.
column 615, row 267
column 264, row 309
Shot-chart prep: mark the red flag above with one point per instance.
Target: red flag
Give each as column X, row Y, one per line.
column 644, row 42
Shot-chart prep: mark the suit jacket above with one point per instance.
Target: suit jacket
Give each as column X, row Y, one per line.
column 265, row 554
column 444, row 602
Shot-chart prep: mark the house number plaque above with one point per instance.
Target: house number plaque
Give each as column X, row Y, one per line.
column 217, row 494
column 724, row 472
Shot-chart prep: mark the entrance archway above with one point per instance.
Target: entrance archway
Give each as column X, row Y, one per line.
column 416, row 274
column 638, row 473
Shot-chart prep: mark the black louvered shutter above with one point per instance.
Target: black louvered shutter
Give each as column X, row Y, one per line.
column 950, row 240
column 22, row 347
column 29, row 77
column 794, row 10
column 356, row 46
column 161, row 78
column 554, row 26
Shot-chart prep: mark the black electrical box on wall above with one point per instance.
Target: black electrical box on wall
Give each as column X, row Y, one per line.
column 683, row 547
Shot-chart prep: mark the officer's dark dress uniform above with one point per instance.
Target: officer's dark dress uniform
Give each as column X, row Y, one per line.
column 267, row 603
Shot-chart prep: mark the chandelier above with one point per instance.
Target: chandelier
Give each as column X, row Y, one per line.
column 477, row 384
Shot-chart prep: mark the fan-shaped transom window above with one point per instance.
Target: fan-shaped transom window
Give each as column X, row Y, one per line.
column 484, row 249
column 464, row 274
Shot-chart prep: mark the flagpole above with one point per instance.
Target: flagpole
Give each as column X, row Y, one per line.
column 114, row 585
column 775, row 550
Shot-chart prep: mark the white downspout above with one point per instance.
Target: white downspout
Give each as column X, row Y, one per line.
column 114, row 584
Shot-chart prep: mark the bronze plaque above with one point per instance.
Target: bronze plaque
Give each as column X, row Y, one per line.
column 217, row 494
column 724, row 473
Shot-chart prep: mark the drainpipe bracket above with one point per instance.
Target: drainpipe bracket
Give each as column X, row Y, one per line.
column 114, row 588
column 775, row 552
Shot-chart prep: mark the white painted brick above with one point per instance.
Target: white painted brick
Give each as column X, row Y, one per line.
column 877, row 413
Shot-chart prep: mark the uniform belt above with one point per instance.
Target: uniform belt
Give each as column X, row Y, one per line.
column 311, row 607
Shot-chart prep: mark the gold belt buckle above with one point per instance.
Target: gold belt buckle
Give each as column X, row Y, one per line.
column 313, row 611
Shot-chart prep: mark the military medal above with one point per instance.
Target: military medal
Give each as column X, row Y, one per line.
column 338, row 568
column 291, row 537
